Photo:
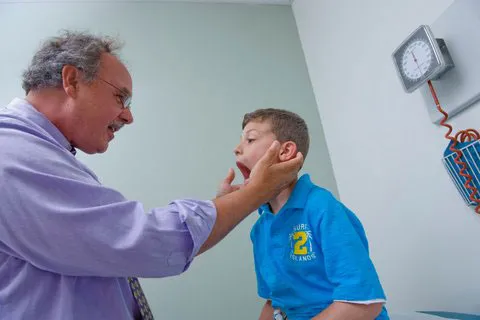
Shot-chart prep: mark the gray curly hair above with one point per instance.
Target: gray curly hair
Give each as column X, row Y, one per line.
column 79, row 49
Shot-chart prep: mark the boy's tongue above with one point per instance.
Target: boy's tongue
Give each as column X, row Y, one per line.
column 244, row 170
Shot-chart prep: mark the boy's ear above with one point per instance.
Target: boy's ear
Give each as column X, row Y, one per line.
column 288, row 150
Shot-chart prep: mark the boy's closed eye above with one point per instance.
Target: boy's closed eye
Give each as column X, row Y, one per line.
column 250, row 140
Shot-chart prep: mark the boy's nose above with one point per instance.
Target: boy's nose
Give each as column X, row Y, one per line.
column 237, row 151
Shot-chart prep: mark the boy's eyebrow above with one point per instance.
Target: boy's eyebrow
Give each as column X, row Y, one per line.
column 249, row 131
column 258, row 131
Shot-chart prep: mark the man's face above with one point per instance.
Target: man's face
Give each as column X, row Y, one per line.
column 98, row 109
column 256, row 138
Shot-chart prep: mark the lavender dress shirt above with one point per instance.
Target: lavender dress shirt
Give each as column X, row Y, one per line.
column 67, row 242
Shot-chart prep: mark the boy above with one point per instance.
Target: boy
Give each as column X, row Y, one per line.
column 310, row 251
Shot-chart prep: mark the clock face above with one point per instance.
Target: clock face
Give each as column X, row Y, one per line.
column 417, row 59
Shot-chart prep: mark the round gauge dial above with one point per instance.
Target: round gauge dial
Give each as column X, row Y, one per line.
column 417, row 59
column 421, row 57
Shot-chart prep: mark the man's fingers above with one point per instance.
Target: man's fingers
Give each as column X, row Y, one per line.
column 236, row 187
column 230, row 176
column 272, row 152
column 269, row 157
column 295, row 163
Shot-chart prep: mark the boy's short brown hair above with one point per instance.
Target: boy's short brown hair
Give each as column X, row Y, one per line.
column 286, row 125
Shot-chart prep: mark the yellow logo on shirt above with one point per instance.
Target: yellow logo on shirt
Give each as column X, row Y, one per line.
column 301, row 239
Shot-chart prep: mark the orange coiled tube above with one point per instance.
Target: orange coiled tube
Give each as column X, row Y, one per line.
column 461, row 136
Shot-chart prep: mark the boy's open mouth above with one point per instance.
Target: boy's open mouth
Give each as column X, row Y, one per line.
column 244, row 170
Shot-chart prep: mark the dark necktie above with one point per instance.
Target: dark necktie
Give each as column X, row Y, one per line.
column 140, row 299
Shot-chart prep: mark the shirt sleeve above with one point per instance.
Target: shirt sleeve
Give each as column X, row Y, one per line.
column 58, row 217
column 347, row 262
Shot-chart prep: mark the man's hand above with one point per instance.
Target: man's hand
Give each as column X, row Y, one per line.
column 266, row 173
column 266, row 180
column 226, row 186
column 272, row 177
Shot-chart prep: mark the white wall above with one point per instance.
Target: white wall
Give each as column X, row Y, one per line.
column 386, row 153
column 196, row 70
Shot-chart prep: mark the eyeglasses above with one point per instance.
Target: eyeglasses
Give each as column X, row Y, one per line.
column 123, row 95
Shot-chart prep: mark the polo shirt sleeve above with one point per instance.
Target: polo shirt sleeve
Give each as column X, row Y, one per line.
column 347, row 262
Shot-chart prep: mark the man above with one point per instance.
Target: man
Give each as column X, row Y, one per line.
column 70, row 247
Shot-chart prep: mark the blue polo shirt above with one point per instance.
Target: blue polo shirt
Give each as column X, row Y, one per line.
column 312, row 252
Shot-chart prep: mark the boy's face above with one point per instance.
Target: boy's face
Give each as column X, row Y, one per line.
column 257, row 137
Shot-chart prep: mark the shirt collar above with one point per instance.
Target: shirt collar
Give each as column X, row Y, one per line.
column 25, row 109
column 298, row 197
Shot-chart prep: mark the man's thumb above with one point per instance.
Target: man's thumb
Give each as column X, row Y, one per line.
column 230, row 176
column 271, row 154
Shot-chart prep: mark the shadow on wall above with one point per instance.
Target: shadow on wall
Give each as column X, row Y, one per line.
column 452, row 315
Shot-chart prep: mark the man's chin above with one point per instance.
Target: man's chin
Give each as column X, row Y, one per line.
column 94, row 149
column 103, row 149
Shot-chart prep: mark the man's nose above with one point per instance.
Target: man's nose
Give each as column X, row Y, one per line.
column 126, row 116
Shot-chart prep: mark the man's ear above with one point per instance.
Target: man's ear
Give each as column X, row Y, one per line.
column 70, row 80
column 288, row 151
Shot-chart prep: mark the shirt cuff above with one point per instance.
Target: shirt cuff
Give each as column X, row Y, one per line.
column 366, row 302
column 199, row 217
column 359, row 292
